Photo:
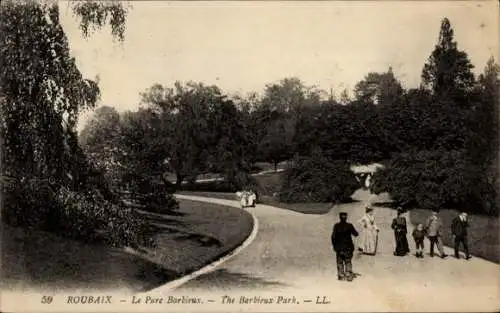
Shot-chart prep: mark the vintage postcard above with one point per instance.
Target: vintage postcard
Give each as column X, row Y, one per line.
column 249, row 156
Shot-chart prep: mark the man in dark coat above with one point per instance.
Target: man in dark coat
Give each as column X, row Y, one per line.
column 343, row 246
column 459, row 230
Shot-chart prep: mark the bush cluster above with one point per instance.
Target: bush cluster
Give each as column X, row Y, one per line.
column 436, row 179
column 82, row 215
column 317, row 179
column 88, row 217
column 154, row 197
column 27, row 202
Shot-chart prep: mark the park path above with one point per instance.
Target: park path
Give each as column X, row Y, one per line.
column 291, row 255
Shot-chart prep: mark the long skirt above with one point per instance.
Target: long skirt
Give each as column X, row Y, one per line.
column 402, row 247
column 244, row 201
column 368, row 241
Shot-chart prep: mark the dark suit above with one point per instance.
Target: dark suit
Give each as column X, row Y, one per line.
column 344, row 247
column 459, row 230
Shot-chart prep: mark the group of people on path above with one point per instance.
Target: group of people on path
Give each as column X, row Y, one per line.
column 344, row 248
column 247, row 198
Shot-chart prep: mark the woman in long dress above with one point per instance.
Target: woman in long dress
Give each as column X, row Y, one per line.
column 400, row 231
column 243, row 197
column 369, row 235
column 368, row 181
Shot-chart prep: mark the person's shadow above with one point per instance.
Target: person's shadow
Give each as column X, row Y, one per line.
column 356, row 275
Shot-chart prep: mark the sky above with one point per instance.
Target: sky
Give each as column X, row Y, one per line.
column 242, row 46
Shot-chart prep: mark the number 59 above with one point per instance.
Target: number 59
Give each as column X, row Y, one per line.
column 47, row 299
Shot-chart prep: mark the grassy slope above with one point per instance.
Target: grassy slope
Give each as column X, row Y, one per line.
column 206, row 232
column 40, row 260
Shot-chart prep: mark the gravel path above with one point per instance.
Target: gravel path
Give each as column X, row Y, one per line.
column 292, row 256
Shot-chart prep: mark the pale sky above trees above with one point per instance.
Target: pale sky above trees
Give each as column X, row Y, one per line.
column 243, row 46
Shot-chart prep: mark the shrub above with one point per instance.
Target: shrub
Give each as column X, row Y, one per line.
column 88, row 217
column 316, row 179
column 27, row 202
column 435, row 179
column 152, row 196
column 82, row 215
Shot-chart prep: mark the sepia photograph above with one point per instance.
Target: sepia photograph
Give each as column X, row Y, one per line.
column 249, row 156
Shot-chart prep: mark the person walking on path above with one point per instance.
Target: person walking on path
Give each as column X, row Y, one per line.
column 433, row 228
column 343, row 246
column 400, row 231
column 419, row 237
column 459, row 227
column 369, row 233
column 368, row 181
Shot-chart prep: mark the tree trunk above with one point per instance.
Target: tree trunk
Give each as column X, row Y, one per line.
column 167, row 185
column 178, row 182
column 275, row 166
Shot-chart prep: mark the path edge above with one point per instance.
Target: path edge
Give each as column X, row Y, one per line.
column 176, row 283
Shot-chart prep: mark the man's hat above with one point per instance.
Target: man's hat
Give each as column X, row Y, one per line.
column 400, row 209
column 343, row 214
column 368, row 208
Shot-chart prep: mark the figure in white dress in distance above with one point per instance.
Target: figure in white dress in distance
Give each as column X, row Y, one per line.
column 247, row 198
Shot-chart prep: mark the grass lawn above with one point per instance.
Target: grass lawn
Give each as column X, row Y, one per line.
column 305, row 208
column 203, row 233
column 269, row 185
column 258, row 167
column 195, row 236
column 484, row 238
column 40, row 260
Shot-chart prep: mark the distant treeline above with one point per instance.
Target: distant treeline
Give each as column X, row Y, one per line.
column 439, row 140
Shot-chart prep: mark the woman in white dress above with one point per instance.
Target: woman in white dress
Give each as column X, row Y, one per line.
column 369, row 233
column 368, row 181
column 244, row 199
column 252, row 198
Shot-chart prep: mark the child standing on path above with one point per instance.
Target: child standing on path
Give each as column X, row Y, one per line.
column 419, row 236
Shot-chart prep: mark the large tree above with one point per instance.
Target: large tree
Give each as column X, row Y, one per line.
column 41, row 88
column 278, row 114
column 251, row 125
column 51, row 183
column 486, row 111
column 144, row 148
column 277, row 144
column 379, row 88
column 482, row 143
column 229, row 144
column 185, row 111
column 448, row 71
column 101, row 134
column 290, row 95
